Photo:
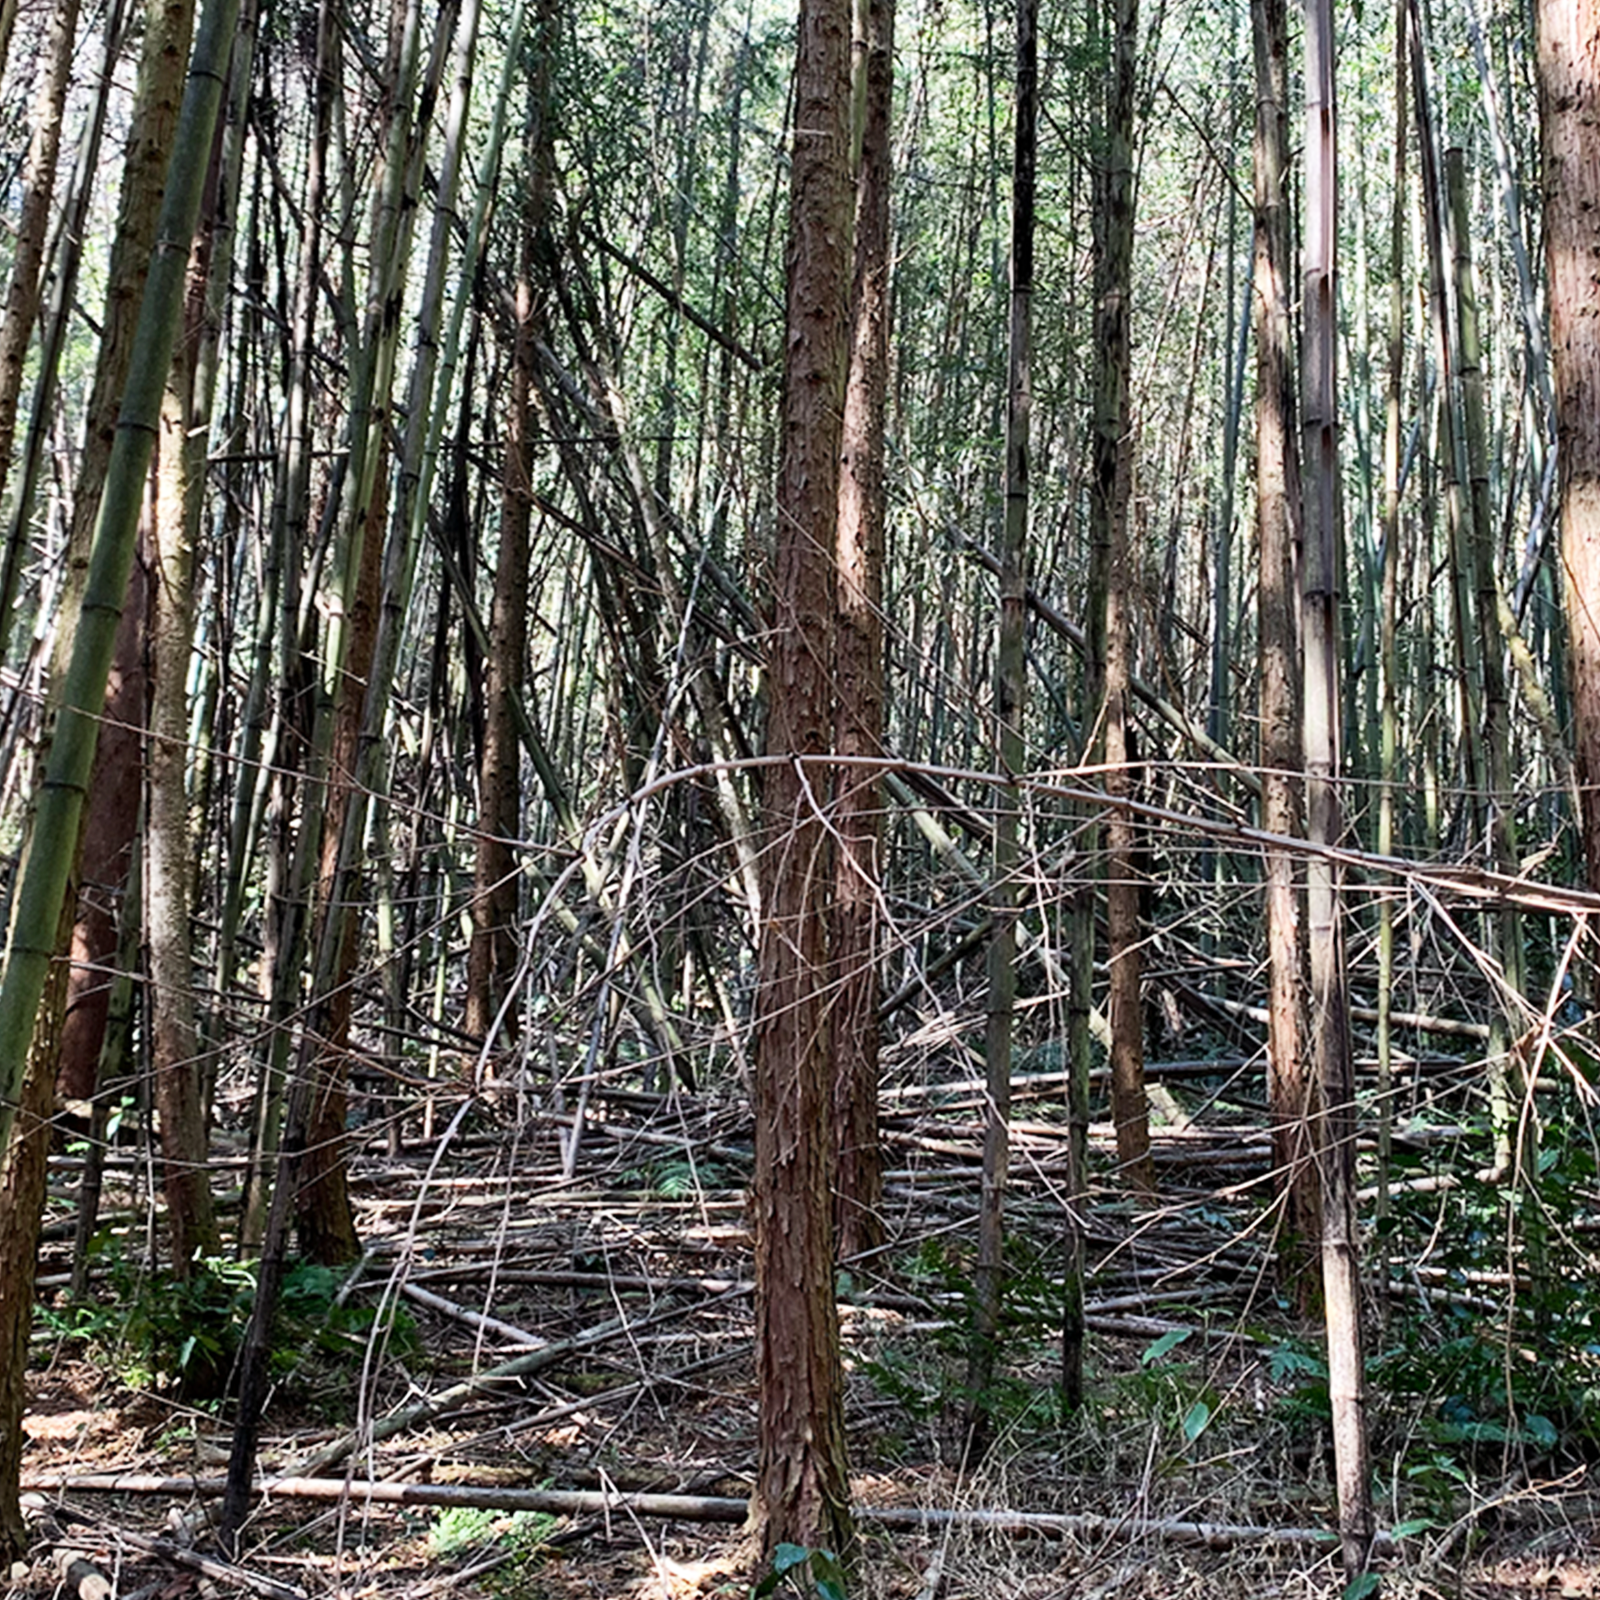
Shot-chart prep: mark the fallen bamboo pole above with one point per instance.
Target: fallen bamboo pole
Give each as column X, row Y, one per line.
column 702, row 1508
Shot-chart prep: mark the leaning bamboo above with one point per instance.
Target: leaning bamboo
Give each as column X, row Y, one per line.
column 54, row 845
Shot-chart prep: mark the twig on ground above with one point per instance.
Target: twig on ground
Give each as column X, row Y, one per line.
column 176, row 1555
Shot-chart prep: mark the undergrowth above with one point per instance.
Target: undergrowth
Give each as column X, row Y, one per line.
column 159, row 1330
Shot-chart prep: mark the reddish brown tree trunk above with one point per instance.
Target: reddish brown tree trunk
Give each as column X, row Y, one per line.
column 109, row 830
column 492, row 955
column 23, row 1167
column 113, row 804
column 858, row 1183
column 1292, row 1091
column 801, row 1492
column 1130, row 1111
column 1569, row 96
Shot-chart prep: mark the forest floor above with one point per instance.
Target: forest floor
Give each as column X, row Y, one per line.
column 624, row 1292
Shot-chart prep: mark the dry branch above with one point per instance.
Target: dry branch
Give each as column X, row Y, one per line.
column 508, row 1371
column 162, row 1550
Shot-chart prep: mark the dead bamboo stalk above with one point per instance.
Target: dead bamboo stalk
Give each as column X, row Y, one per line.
column 477, row 1320
column 707, row 1508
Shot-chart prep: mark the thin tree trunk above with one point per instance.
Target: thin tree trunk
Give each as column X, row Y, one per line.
column 858, row 1182
column 169, row 861
column 1516, row 1128
column 63, row 289
column 351, row 678
column 492, row 954
column 108, row 855
column 1292, row 1090
column 1111, row 592
column 1388, row 633
column 26, row 286
column 801, row 1491
column 24, row 1160
column 1330, row 1001
column 1010, row 708
column 168, row 25
column 113, row 810
column 288, row 540
column 51, row 855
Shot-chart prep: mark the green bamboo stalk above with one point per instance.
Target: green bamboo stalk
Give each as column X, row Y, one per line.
column 53, row 846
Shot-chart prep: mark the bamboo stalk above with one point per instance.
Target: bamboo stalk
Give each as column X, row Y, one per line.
column 708, row 1508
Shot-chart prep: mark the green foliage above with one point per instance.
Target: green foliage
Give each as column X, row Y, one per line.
column 458, row 1528
column 678, row 1180
column 1300, row 1376
column 160, row 1330
column 797, row 1570
column 928, row 1379
column 1175, row 1393
column 514, row 1541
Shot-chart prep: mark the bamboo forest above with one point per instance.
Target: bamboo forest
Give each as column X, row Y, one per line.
column 800, row 799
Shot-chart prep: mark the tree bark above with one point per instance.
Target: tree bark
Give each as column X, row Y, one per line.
column 1292, row 1091
column 858, row 1181
column 1388, row 640
column 492, row 954
column 358, row 660
column 55, row 839
column 287, row 541
column 1569, row 103
column 108, row 853
column 1110, row 591
column 23, row 1167
column 26, row 285
column 169, row 858
column 1010, row 706
column 168, row 27
column 113, row 807
column 801, row 1493
column 1330, row 1000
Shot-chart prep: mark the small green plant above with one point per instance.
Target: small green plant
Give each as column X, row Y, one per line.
column 160, row 1330
column 678, row 1180
column 1170, row 1389
column 181, row 1332
column 520, row 1533
column 797, row 1570
column 506, row 1546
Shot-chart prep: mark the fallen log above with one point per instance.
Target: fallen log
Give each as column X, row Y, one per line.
column 707, row 1508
